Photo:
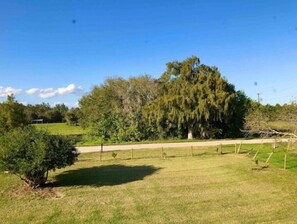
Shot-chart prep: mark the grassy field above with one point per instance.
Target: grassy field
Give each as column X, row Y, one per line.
column 205, row 188
column 61, row 129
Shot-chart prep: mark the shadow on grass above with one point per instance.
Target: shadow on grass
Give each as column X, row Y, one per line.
column 109, row 175
column 227, row 153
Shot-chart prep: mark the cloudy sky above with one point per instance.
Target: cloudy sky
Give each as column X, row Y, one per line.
column 56, row 51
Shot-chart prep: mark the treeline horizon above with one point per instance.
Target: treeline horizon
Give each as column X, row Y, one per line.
column 189, row 100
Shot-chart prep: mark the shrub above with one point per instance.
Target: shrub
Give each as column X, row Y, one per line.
column 73, row 138
column 12, row 115
column 31, row 154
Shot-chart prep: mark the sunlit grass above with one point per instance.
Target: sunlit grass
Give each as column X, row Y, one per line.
column 61, row 129
column 208, row 187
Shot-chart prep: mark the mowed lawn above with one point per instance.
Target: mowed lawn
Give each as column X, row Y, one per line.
column 61, row 129
column 205, row 188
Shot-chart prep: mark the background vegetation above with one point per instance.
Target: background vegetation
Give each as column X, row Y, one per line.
column 189, row 100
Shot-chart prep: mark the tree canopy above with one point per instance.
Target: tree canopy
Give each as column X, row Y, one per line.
column 46, row 112
column 269, row 120
column 72, row 116
column 189, row 99
column 12, row 115
column 113, row 110
column 193, row 97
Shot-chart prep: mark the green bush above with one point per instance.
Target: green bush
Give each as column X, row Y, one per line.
column 12, row 115
column 30, row 154
column 74, row 139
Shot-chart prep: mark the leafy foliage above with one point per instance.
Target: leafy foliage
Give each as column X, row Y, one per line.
column 12, row 115
column 114, row 109
column 188, row 99
column 46, row 112
column 193, row 97
column 72, row 116
column 271, row 120
column 30, row 154
column 235, row 124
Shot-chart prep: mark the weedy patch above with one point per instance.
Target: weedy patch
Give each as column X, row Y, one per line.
column 44, row 193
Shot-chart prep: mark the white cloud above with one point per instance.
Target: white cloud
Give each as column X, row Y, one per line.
column 51, row 92
column 68, row 104
column 5, row 91
column 47, row 93
column 32, row 91
column 70, row 89
column 24, row 103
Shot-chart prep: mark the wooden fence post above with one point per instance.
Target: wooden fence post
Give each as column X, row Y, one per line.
column 274, row 144
column 239, row 147
column 255, row 156
column 101, row 151
column 289, row 143
column 269, row 157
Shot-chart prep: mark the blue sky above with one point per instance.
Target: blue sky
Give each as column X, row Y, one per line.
column 56, row 51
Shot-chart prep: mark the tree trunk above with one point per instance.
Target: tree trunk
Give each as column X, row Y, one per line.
column 36, row 180
column 190, row 132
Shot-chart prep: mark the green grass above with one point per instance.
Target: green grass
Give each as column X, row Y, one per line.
column 205, row 188
column 61, row 129
column 277, row 158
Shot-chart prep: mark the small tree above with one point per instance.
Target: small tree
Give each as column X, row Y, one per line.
column 30, row 154
column 72, row 116
column 12, row 115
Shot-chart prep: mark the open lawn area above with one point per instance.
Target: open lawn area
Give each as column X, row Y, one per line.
column 205, row 188
column 61, row 129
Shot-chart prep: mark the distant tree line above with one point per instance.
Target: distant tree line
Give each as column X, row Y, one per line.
column 271, row 120
column 189, row 100
column 14, row 114
column 44, row 111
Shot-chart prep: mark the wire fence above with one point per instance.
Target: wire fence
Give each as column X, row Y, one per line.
column 279, row 154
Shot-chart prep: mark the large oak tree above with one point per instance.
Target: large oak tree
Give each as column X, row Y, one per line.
column 193, row 97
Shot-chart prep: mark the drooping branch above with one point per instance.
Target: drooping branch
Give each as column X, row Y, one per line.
column 268, row 133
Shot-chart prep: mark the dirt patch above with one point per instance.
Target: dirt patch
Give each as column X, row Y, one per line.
column 46, row 192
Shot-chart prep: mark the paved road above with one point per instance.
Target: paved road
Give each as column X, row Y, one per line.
column 174, row 145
